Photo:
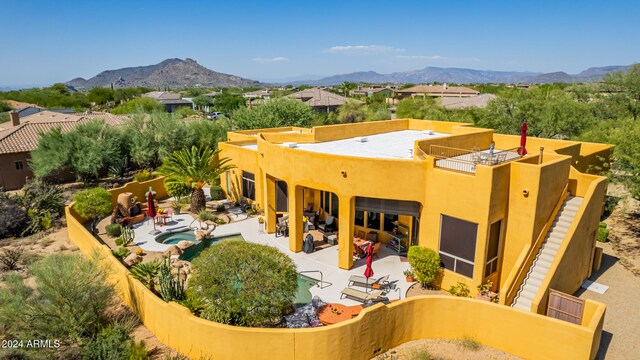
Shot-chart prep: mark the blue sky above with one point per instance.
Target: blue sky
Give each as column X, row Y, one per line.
column 55, row 41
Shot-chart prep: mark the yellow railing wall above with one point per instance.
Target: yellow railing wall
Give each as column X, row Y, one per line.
column 375, row 330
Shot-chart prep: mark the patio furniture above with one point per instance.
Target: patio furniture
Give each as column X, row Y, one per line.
column 330, row 238
column 335, row 313
column 376, row 249
column 170, row 213
column 282, row 227
column 357, row 295
column 502, row 157
column 359, row 246
column 329, row 224
column 361, row 281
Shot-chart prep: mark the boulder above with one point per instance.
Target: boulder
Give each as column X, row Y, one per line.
column 132, row 259
column 172, row 250
column 183, row 244
column 202, row 234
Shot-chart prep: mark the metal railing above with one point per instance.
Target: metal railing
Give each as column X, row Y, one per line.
column 322, row 282
column 466, row 160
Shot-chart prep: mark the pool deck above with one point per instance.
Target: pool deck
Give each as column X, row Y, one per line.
column 324, row 260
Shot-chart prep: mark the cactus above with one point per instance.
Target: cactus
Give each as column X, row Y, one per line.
column 127, row 235
column 171, row 289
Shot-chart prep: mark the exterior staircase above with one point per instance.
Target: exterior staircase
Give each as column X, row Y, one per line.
column 552, row 242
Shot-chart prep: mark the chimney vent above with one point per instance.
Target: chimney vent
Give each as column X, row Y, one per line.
column 15, row 118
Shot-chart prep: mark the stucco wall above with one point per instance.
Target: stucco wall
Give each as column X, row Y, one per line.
column 375, row 330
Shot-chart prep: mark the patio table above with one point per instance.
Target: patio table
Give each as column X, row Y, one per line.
column 335, row 313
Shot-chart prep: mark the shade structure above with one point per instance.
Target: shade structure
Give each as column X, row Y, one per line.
column 151, row 209
column 523, row 139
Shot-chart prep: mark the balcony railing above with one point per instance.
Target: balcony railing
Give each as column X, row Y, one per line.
column 466, row 160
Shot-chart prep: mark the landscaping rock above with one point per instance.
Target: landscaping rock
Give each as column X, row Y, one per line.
column 202, row 234
column 183, row 244
column 132, row 259
column 173, row 250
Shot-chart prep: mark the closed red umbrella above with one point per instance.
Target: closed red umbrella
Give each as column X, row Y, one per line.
column 151, row 208
column 523, row 138
column 368, row 271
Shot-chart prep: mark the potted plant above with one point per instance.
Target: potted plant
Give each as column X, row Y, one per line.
column 176, row 205
column 409, row 275
column 485, row 293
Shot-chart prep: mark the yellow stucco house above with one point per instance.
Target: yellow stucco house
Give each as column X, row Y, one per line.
column 527, row 223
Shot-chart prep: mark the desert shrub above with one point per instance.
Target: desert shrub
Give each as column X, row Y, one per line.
column 146, row 273
column 114, row 343
column 121, row 252
column 194, row 303
column 425, row 263
column 114, row 230
column 38, row 221
column 217, row 194
column 603, row 233
column 245, row 284
column 144, row 175
column 205, row 216
column 219, row 221
column 177, row 190
column 72, row 296
column 119, row 241
column 13, row 219
column 469, row 344
column 10, row 257
column 221, row 208
column 460, row 289
column 42, row 196
column 93, row 204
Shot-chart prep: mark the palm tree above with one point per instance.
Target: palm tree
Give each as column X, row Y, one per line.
column 194, row 167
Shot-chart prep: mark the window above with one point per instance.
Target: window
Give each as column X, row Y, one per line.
column 492, row 250
column 359, row 218
column 334, row 205
column 248, row 185
column 373, row 220
column 282, row 196
column 19, row 165
column 228, row 183
column 389, row 221
column 458, row 244
column 326, row 195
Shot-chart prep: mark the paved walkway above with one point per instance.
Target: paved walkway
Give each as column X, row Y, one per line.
column 621, row 330
column 323, row 261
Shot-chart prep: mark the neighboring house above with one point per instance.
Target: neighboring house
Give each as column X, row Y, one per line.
column 171, row 101
column 320, row 100
column 257, row 97
column 478, row 101
column 20, row 136
column 436, row 91
column 526, row 223
column 370, row 91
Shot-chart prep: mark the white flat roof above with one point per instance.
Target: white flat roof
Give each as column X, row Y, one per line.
column 390, row 145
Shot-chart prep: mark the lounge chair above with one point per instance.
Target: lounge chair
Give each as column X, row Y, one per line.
column 329, row 225
column 361, row 281
column 363, row 297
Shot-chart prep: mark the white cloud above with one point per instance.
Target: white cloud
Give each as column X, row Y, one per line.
column 362, row 49
column 270, row 60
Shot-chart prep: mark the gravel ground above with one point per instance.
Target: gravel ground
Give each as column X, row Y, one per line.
column 621, row 330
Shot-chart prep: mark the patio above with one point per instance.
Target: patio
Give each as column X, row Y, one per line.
column 323, row 261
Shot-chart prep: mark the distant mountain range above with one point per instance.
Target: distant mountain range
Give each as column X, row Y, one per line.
column 466, row 76
column 170, row 73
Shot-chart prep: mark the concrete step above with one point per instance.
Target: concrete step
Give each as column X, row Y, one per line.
column 536, row 282
column 528, row 294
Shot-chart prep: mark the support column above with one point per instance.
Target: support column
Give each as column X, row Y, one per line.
column 346, row 214
column 270, row 204
column 296, row 209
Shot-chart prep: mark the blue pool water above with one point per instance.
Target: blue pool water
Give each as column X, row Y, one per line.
column 303, row 296
column 175, row 238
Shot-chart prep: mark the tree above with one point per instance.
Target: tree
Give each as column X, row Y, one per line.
column 351, row 112
column 245, row 284
column 625, row 90
column 275, row 113
column 154, row 136
column 201, row 101
column 227, row 102
column 346, row 86
column 13, row 218
column 100, row 95
column 144, row 104
column 93, row 204
column 86, row 150
column 194, row 167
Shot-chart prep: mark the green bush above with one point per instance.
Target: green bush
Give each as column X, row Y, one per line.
column 114, row 343
column 44, row 197
column 221, row 208
column 425, row 263
column 194, row 303
column 147, row 273
column 121, row 252
column 603, row 233
column 205, row 216
column 13, row 219
column 177, row 189
column 119, row 241
column 39, row 221
column 93, row 204
column 460, row 289
column 72, row 297
column 246, row 284
column 113, row 230
column 144, row 175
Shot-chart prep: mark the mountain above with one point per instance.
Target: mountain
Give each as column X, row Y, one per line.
column 169, row 73
column 432, row 74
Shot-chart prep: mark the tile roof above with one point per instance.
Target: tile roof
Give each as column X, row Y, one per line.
column 161, row 95
column 24, row 137
column 479, row 101
column 316, row 97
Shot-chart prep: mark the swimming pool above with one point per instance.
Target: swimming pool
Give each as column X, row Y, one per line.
column 303, row 296
column 192, row 252
column 176, row 237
